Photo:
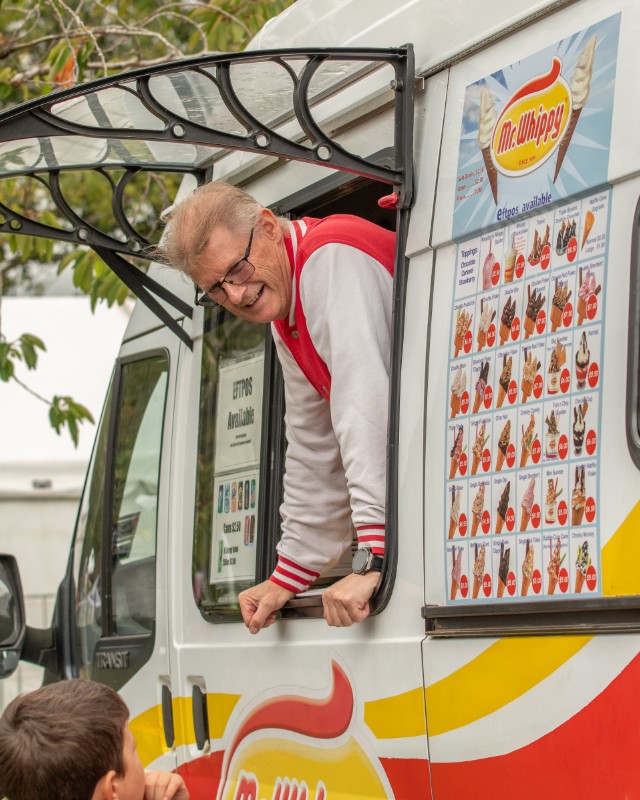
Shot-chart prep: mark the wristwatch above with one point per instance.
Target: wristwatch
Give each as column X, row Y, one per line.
column 365, row 561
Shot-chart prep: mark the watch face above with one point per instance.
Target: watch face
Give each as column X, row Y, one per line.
column 360, row 559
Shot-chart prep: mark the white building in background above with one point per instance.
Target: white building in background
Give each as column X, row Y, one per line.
column 41, row 473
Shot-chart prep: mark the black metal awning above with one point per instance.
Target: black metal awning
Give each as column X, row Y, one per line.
column 180, row 118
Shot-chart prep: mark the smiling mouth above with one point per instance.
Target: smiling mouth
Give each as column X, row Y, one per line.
column 255, row 299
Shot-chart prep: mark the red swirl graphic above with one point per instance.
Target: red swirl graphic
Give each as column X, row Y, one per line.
column 322, row 719
column 537, row 84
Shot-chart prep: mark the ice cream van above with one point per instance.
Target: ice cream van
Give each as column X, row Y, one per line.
column 502, row 657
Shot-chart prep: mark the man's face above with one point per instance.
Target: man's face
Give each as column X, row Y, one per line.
column 266, row 296
column 131, row 783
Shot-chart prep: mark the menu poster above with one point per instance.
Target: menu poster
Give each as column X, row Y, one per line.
column 523, row 411
column 234, row 536
column 535, row 133
column 237, row 469
column 239, row 413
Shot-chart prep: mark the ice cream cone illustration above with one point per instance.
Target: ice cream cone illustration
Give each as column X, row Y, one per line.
column 486, row 124
column 535, row 301
column 478, row 569
column 583, row 561
column 578, row 497
column 478, row 447
column 587, row 288
column 503, row 444
column 504, row 380
column 481, row 385
column 580, row 85
column 527, row 569
column 454, row 514
column 487, row 315
column 560, row 299
column 579, row 426
column 477, row 508
column 458, row 387
column 463, row 321
column 456, row 452
column 503, row 568
column 589, row 219
column 553, row 568
column 456, row 571
column 526, row 443
column 529, row 372
column 527, row 505
column 506, row 319
column 503, row 506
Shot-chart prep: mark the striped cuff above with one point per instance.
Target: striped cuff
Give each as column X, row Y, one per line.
column 371, row 536
column 292, row 576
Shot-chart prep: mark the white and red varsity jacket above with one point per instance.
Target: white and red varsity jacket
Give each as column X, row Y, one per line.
column 335, row 352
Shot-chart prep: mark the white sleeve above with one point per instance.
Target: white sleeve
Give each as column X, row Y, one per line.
column 347, row 300
column 316, row 524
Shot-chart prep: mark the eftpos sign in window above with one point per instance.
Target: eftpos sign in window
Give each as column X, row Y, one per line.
column 239, row 413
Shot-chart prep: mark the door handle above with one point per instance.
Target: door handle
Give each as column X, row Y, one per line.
column 200, row 716
column 167, row 716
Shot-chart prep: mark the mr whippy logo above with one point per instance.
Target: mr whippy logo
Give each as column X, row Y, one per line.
column 536, row 122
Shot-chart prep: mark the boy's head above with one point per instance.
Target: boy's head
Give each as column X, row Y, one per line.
column 69, row 741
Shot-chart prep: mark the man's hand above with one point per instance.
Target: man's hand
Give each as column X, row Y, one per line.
column 164, row 786
column 260, row 603
column 347, row 601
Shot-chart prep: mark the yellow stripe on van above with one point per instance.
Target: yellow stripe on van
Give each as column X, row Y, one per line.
column 397, row 717
column 506, row 670
column 149, row 732
column 620, row 574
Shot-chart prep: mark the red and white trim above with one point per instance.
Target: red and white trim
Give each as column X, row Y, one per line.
column 371, row 536
column 292, row 576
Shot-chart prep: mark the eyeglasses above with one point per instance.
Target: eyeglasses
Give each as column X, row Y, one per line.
column 237, row 275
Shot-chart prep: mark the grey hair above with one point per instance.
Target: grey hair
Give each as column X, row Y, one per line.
column 191, row 222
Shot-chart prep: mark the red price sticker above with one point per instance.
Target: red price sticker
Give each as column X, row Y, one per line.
column 510, row 519
column 572, row 249
column 468, row 341
column 511, row 583
column 464, row 586
column 592, row 306
column 536, row 451
column 464, row 402
column 463, row 464
column 486, row 459
column 563, row 579
column 563, row 446
column 538, row 386
column 541, row 321
column 486, row 585
column 535, row 515
column 488, row 397
column 515, row 329
column 567, row 315
column 491, row 335
column 590, row 509
column 511, row 455
column 495, row 274
column 591, row 577
column 536, row 581
column 565, row 380
column 462, row 524
column 519, row 266
column 486, row 521
column 591, row 442
column 512, row 392
column 593, row 375
column 545, row 257
column 562, row 512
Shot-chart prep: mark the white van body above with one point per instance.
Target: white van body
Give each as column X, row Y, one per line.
column 442, row 694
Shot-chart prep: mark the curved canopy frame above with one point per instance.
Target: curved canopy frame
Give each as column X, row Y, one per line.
column 182, row 117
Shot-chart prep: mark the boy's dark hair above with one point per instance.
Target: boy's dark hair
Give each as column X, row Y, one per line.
column 58, row 741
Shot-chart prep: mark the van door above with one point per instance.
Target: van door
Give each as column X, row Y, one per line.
column 118, row 567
